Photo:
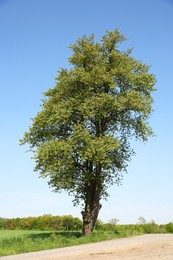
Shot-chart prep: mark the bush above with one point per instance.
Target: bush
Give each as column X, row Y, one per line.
column 169, row 227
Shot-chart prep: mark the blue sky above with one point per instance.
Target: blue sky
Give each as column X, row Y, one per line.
column 34, row 40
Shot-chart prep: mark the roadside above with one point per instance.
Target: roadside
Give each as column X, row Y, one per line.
column 150, row 247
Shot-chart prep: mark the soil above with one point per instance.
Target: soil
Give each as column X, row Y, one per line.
column 150, row 247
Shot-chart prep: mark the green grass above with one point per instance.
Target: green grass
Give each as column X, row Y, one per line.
column 18, row 241
column 16, row 233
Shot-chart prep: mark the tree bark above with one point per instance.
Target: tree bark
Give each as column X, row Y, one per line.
column 92, row 208
column 89, row 218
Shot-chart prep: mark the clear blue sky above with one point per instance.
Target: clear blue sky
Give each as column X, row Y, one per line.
column 34, row 40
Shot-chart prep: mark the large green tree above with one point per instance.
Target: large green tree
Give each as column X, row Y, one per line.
column 81, row 137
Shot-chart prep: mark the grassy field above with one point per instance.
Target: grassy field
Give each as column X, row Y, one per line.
column 18, row 241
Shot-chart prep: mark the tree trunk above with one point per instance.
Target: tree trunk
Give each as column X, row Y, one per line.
column 91, row 211
column 89, row 218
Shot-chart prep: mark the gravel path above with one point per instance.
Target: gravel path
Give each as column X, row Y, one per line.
column 150, row 247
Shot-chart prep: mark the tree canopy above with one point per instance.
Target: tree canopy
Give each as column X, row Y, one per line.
column 81, row 137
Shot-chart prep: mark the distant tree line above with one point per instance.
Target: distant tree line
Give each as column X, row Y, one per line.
column 142, row 227
column 70, row 223
column 45, row 222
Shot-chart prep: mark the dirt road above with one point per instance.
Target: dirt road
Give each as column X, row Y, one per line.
column 150, row 247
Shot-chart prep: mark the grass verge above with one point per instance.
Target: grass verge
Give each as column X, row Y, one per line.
column 17, row 241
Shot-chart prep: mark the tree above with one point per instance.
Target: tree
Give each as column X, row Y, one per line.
column 113, row 221
column 81, row 137
column 142, row 221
